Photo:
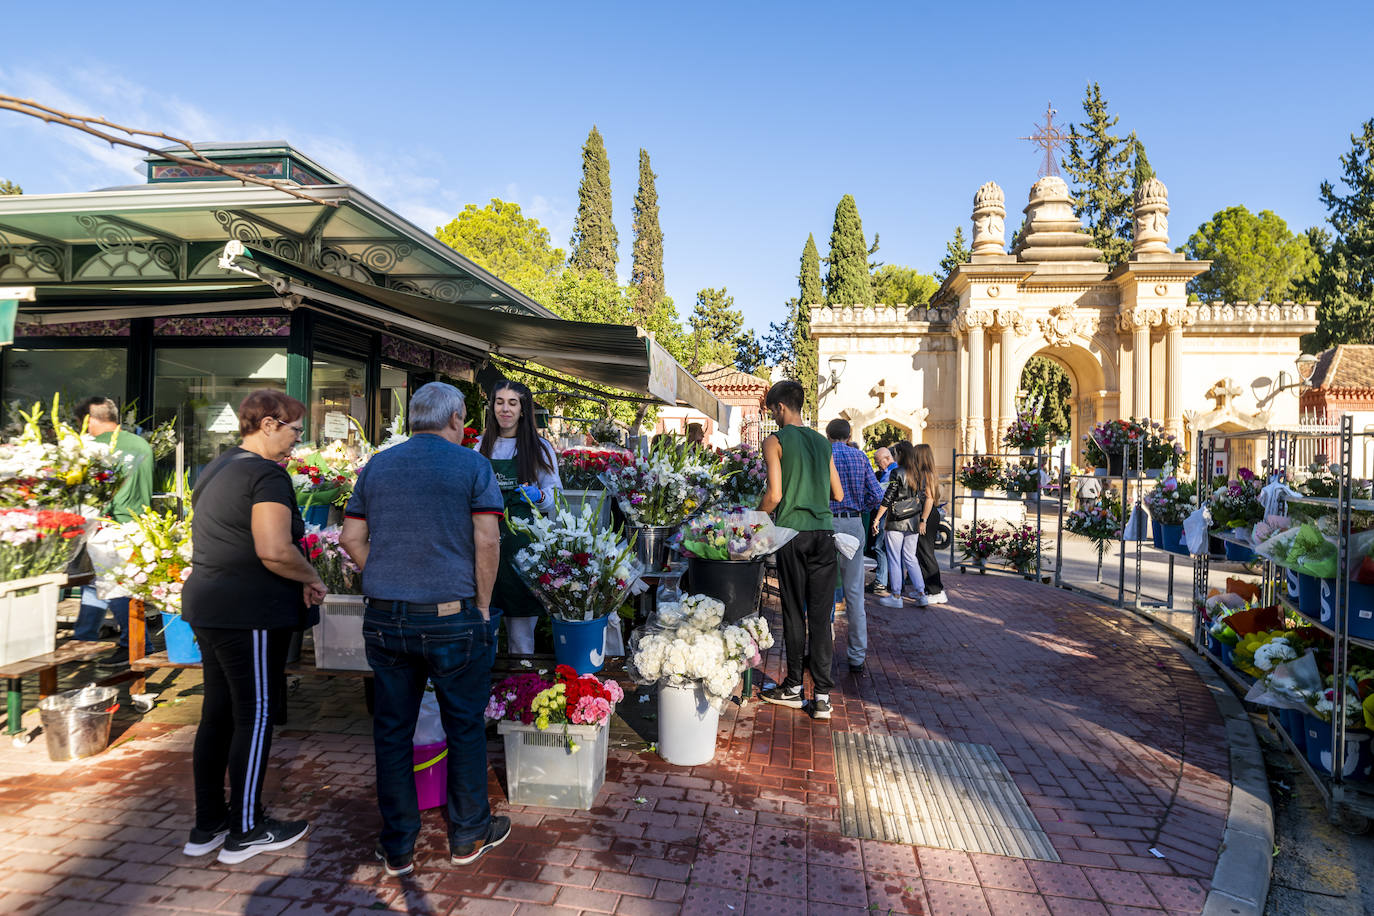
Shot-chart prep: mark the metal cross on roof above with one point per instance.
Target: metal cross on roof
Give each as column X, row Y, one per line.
column 1049, row 137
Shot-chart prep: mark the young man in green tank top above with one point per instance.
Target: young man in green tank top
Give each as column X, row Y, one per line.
column 801, row 482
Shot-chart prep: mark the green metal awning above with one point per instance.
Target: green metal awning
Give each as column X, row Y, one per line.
column 618, row 356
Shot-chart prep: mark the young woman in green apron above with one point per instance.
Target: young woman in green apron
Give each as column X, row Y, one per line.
column 526, row 467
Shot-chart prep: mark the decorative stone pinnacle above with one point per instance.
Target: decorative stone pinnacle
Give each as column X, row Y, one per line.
column 1151, row 218
column 989, row 220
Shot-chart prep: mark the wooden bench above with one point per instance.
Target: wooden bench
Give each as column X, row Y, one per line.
column 45, row 666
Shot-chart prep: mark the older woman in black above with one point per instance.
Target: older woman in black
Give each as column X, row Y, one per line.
column 250, row 588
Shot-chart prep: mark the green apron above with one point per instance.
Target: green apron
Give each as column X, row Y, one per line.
column 511, row 594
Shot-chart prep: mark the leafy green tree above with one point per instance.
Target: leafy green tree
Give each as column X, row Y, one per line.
column 646, row 273
column 594, row 238
column 717, row 327
column 1254, row 257
column 1099, row 165
column 506, row 242
column 1046, row 381
column 8, row 188
column 956, row 252
column 1346, row 314
column 897, row 285
column 883, row 434
column 847, row 281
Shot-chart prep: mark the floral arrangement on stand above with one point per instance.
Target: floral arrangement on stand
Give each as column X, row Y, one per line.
column 685, row 642
column 739, row 535
column 746, row 475
column 36, row 542
column 1099, row 523
column 565, row 699
column 1027, row 430
column 667, row 485
column 1162, row 449
column 978, row 541
column 1321, row 479
column 53, row 465
column 155, row 552
column 1236, row 504
column 981, row 472
column 1111, row 438
column 580, row 468
column 1305, row 548
column 1171, row 500
column 577, row 569
column 1022, row 477
column 1020, row 547
column 336, row 568
column 320, row 479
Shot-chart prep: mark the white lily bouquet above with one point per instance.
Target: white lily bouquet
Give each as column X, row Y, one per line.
column 667, row 485
column 579, row 570
column 685, row 643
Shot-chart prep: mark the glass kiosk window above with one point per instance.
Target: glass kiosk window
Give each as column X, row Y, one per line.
column 338, row 391
column 75, row 374
column 395, row 397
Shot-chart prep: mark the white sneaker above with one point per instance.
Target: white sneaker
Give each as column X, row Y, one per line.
column 937, row 598
column 890, row 601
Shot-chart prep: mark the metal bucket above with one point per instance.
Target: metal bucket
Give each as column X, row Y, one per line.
column 77, row 722
column 651, row 545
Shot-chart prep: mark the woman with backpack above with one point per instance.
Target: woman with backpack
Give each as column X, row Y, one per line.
column 906, row 514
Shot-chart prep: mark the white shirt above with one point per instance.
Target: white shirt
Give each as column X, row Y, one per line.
column 505, row 448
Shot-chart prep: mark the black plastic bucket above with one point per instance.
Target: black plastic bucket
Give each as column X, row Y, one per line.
column 735, row 583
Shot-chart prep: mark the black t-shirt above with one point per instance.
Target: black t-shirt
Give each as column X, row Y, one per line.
column 229, row 586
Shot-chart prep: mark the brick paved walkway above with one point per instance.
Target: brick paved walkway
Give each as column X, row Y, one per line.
column 1110, row 736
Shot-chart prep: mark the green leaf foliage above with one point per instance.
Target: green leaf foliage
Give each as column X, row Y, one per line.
column 897, row 285
column 848, row 281
column 646, row 271
column 717, row 329
column 1046, row 380
column 1254, row 257
column 594, row 238
column 9, row 188
column 809, row 279
column 1142, row 171
column 1346, row 281
column 956, row 252
column 1100, row 171
column 506, row 242
column 883, row 434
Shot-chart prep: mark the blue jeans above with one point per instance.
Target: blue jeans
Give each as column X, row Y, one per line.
column 92, row 615
column 404, row 648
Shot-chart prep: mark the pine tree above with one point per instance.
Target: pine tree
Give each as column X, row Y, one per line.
column 646, row 273
column 1099, row 164
column 1346, row 314
column 594, row 239
column 847, row 281
column 956, row 252
column 717, row 329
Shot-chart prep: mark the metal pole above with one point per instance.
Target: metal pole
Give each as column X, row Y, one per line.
column 953, row 501
column 1059, row 535
column 1341, row 623
column 1039, row 494
column 1121, row 578
column 1139, row 490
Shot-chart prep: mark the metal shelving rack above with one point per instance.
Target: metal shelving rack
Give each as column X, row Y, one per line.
column 1039, row 454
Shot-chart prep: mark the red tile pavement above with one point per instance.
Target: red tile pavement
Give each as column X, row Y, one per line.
column 1108, row 733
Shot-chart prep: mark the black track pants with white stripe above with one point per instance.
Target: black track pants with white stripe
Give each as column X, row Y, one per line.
column 243, row 679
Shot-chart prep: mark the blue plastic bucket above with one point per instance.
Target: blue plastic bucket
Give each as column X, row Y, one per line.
column 1171, row 538
column 1309, row 596
column 1157, row 534
column 182, row 648
column 1238, row 553
column 1361, row 610
column 580, row 644
column 1290, row 585
column 317, row 515
column 1227, row 654
column 1327, row 602
column 1292, row 722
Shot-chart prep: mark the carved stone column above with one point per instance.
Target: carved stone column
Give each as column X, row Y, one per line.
column 973, row 323
column 1174, row 320
column 1138, row 322
column 1010, row 323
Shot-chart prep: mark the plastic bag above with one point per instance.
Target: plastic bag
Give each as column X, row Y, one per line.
column 847, row 545
column 1285, row 686
column 429, row 727
column 102, row 547
column 1272, row 496
column 712, row 544
column 615, row 638
column 1138, row 526
column 1195, row 532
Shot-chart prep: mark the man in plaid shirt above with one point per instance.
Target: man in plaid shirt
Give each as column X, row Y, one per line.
column 862, row 493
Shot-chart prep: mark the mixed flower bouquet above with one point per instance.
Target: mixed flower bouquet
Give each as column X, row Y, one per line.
column 739, row 535
column 320, row 479
column 1020, row 547
column 981, row 472
column 1321, row 480
column 1171, row 500
column 746, row 475
column 1099, row 523
column 667, row 485
column 978, row 541
column 1022, row 477
column 577, row 569
column 1112, row 438
column 685, row 643
column 1162, row 449
column 58, row 467
column 155, row 552
column 581, row 468
column 340, row 574
column 1236, row 504
column 566, row 699
column 1305, row 549
column 36, row 542
column 1027, row 430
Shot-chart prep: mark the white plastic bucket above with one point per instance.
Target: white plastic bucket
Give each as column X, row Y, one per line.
column 687, row 725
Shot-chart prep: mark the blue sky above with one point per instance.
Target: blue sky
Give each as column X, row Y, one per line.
column 758, row 116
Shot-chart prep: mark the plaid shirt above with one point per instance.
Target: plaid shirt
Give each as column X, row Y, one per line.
column 862, row 492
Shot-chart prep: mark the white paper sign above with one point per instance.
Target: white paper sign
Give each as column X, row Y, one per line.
column 220, row 418
column 335, row 425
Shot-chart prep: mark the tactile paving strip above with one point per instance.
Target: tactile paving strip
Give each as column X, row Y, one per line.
column 934, row 793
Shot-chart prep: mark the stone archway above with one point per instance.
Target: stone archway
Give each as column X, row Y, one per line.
column 1091, row 379
column 912, row 421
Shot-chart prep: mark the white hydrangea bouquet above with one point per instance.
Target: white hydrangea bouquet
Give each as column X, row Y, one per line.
column 579, row 570
column 685, row 643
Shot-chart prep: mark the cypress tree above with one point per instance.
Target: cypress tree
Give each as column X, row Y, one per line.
column 646, row 272
column 847, row 281
column 804, row 351
column 956, row 252
column 594, row 238
column 1346, row 281
column 1099, row 164
column 1142, row 171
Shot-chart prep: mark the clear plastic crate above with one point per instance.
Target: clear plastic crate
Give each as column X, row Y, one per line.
column 541, row 770
column 339, row 634
column 28, row 616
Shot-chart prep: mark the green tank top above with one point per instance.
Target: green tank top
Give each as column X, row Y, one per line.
column 805, row 503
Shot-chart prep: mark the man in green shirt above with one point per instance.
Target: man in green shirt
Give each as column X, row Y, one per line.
column 132, row 499
column 802, row 481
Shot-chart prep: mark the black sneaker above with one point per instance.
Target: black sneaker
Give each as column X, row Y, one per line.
column 205, row 841
column 269, row 836
column 857, row 670
column 820, row 709
column 497, row 831
column 783, row 696
column 395, row 865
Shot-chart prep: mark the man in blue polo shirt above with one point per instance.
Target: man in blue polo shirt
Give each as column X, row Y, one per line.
column 861, row 494
column 423, row 524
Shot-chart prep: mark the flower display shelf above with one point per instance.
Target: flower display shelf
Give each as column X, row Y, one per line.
column 974, row 497
column 541, row 768
column 28, row 616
